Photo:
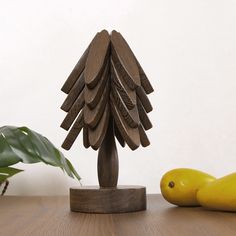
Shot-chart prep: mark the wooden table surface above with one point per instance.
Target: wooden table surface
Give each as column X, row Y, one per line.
column 51, row 216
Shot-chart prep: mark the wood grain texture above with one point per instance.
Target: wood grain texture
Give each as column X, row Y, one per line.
column 130, row 135
column 108, row 200
column 143, row 116
column 50, row 216
column 74, row 132
column 144, row 99
column 93, row 116
column 130, row 116
column 145, row 83
column 75, row 72
column 124, row 60
column 147, row 86
column 73, row 112
column 128, row 95
column 92, row 96
column 143, row 136
column 97, row 134
column 108, row 74
column 73, row 94
column 107, row 165
column 119, row 136
column 85, row 136
column 98, row 52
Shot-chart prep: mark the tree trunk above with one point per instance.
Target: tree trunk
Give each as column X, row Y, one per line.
column 107, row 165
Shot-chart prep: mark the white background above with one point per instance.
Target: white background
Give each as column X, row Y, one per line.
column 188, row 50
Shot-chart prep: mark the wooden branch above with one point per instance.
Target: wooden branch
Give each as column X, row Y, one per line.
column 119, row 136
column 143, row 116
column 75, row 73
column 97, row 134
column 144, row 79
column 124, row 60
column 128, row 95
column 130, row 116
column 143, row 136
column 92, row 96
column 74, row 132
column 130, row 135
column 144, row 99
column 74, row 93
column 85, row 136
column 93, row 116
column 98, row 53
column 73, row 112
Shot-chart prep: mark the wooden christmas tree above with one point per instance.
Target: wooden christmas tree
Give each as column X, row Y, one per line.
column 107, row 98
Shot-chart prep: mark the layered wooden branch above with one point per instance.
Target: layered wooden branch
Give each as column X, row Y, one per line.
column 107, row 81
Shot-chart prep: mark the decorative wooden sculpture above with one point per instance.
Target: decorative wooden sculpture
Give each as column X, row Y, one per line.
column 107, row 96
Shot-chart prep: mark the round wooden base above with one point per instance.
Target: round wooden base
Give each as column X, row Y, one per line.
column 108, row 200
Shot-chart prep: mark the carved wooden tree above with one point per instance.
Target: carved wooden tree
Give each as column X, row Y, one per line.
column 107, row 97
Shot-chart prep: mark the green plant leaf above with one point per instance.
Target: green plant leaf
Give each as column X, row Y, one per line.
column 20, row 144
column 7, row 172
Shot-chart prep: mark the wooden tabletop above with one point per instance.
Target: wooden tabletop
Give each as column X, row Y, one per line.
column 51, row 216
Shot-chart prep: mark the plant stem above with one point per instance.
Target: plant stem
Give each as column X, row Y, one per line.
column 5, row 187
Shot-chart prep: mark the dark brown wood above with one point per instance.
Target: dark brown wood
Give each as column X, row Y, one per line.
column 143, row 77
column 108, row 200
column 98, row 53
column 73, row 94
column 130, row 116
column 144, row 80
column 93, row 116
column 124, row 60
column 143, row 116
column 85, row 136
column 143, row 136
column 73, row 112
column 49, row 216
column 108, row 165
column 130, row 135
column 107, row 98
column 97, row 134
column 111, row 71
column 74, row 132
column 119, row 136
column 75, row 72
column 92, row 96
column 144, row 99
column 128, row 95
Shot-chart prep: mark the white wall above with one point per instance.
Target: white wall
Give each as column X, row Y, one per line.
column 188, row 50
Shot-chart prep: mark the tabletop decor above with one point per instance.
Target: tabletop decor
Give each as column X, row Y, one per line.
column 107, row 98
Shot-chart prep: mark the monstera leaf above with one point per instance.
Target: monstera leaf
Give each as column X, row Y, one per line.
column 20, row 144
column 7, row 172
